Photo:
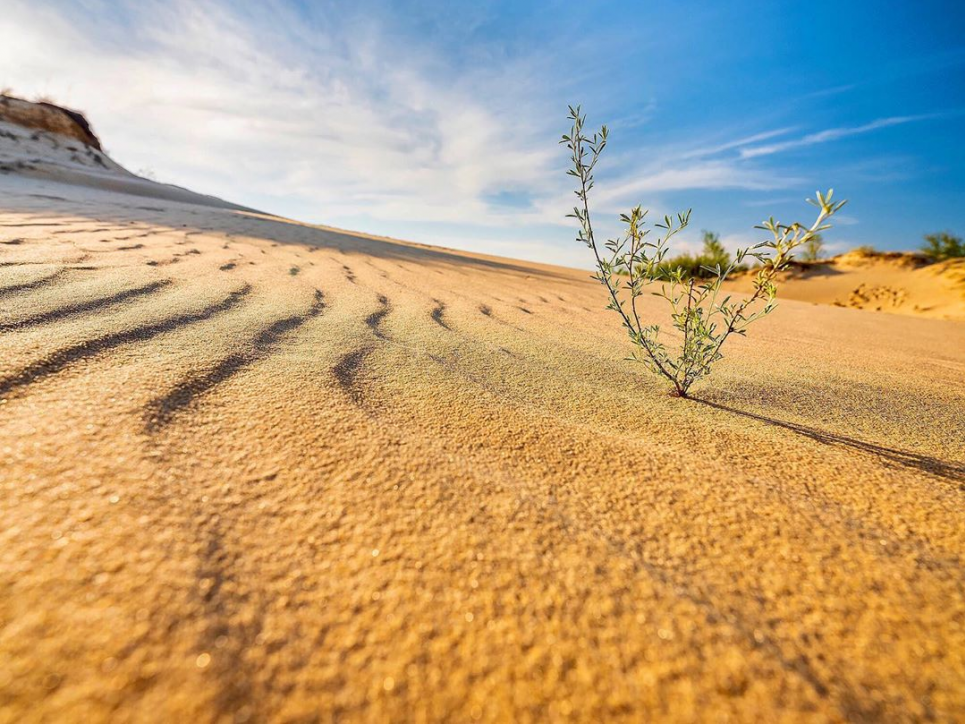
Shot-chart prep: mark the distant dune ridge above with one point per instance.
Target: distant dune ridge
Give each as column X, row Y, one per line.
column 896, row 282
column 45, row 116
column 46, row 141
column 259, row 470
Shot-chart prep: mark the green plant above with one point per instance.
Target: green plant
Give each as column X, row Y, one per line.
column 713, row 249
column 702, row 265
column 942, row 246
column 813, row 248
column 702, row 320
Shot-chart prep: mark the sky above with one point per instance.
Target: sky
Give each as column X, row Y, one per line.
column 439, row 122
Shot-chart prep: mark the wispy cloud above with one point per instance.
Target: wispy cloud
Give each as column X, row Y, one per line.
column 345, row 120
column 831, row 134
column 433, row 123
column 832, row 91
column 343, row 125
column 738, row 143
column 672, row 175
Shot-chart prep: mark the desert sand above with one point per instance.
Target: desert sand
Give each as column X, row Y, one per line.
column 256, row 470
column 893, row 282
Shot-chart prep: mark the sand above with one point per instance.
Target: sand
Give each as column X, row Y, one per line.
column 255, row 470
column 890, row 282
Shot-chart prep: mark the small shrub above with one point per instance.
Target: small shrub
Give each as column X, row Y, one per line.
column 704, row 321
column 703, row 265
column 714, row 250
column 813, row 248
column 942, row 246
column 689, row 265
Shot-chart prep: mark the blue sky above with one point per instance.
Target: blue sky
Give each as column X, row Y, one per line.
column 438, row 122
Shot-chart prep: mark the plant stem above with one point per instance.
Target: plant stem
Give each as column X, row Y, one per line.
column 638, row 330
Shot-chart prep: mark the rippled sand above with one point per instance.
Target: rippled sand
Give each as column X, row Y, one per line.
column 259, row 471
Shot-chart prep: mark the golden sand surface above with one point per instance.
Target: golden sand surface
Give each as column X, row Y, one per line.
column 254, row 470
column 888, row 282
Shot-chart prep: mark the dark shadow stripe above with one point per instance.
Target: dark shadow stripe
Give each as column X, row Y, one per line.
column 64, row 358
column 162, row 410
column 346, row 372
column 35, row 284
column 375, row 319
column 221, row 592
column 20, row 226
column 915, row 461
column 437, row 315
column 84, row 307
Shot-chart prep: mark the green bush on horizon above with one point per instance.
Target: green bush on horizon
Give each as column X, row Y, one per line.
column 813, row 249
column 942, row 246
column 704, row 265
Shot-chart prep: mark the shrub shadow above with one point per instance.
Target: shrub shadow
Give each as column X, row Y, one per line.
column 903, row 458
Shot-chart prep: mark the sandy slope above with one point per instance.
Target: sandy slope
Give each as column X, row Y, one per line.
column 883, row 282
column 253, row 470
column 32, row 152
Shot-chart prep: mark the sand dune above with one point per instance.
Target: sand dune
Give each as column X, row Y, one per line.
column 882, row 282
column 256, row 470
column 45, row 142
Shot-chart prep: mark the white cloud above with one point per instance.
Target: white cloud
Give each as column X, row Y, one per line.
column 674, row 175
column 831, row 134
column 845, row 220
column 713, row 150
column 345, row 124
column 345, row 121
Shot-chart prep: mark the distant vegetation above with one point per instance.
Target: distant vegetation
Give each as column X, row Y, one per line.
column 813, row 248
column 705, row 265
column 939, row 246
column 703, row 321
column 942, row 246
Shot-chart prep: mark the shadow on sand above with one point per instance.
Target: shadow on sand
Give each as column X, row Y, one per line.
column 904, row 458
